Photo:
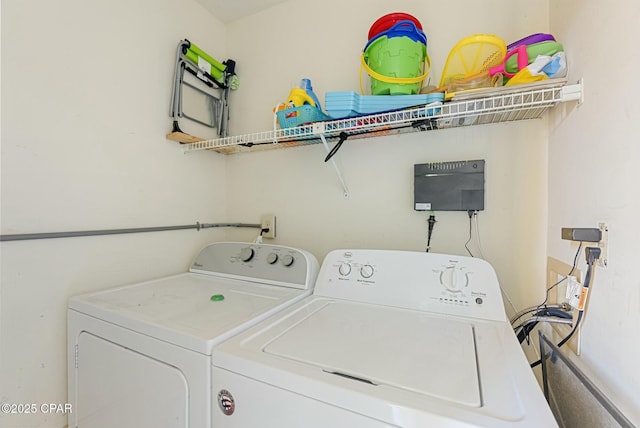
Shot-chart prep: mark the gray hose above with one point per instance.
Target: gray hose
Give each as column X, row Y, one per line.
column 523, row 312
column 54, row 235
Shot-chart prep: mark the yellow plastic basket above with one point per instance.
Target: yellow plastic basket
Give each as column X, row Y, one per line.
column 473, row 55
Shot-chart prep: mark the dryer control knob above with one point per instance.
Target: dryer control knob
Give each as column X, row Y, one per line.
column 287, row 260
column 272, row 258
column 246, row 254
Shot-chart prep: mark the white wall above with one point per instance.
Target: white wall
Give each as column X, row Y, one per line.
column 85, row 92
column 323, row 41
column 584, row 172
column 85, row 101
column 593, row 165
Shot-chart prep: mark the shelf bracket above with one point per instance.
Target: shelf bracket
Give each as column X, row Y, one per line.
column 574, row 92
column 319, row 129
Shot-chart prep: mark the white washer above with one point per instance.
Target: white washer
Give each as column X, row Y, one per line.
column 388, row 339
column 140, row 355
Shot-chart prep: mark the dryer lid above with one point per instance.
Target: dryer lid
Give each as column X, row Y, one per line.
column 398, row 348
column 190, row 310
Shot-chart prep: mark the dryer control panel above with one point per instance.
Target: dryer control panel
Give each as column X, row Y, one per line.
column 268, row 264
column 440, row 283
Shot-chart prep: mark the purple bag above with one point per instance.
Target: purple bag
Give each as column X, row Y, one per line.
column 531, row 39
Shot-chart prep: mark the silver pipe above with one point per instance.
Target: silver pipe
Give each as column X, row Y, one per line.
column 54, row 235
column 523, row 312
column 554, row 320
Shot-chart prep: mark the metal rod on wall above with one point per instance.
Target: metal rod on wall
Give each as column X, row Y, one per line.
column 54, row 235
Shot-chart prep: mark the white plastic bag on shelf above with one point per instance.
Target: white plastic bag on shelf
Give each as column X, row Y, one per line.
column 543, row 67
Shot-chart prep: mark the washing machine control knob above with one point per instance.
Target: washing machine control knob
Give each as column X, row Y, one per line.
column 366, row 271
column 272, row 258
column 246, row 254
column 344, row 269
column 454, row 279
column 287, row 260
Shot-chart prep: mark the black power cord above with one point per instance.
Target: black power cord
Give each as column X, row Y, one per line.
column 470, row 213
column 592, row 254
column 573, row 267
column 432, row 221
column 334, row 150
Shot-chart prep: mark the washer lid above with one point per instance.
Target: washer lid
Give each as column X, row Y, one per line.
column 399, row 348
column 190, row 310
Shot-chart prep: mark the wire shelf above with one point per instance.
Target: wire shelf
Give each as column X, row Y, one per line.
column 508, row 104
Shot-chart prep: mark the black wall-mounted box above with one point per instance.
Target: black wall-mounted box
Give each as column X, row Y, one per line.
column 449, row 186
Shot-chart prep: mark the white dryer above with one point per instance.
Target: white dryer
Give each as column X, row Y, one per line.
column 140, row 355
column 388, row 339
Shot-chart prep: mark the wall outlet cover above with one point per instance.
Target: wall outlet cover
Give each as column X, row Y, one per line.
column 268, row 221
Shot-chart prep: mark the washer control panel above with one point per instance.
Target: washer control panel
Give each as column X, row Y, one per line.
column 274, row 264
column 442, row 283
column 363, row 270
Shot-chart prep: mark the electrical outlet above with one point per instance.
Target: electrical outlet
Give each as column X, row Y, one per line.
column 269, row 222
column 603, row 261
column 574, row 290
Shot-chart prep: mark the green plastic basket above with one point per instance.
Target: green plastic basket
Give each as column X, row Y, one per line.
column 395, row 57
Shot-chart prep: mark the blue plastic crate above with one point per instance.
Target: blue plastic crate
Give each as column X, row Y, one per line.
column 297, row 116
column 350, row 104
